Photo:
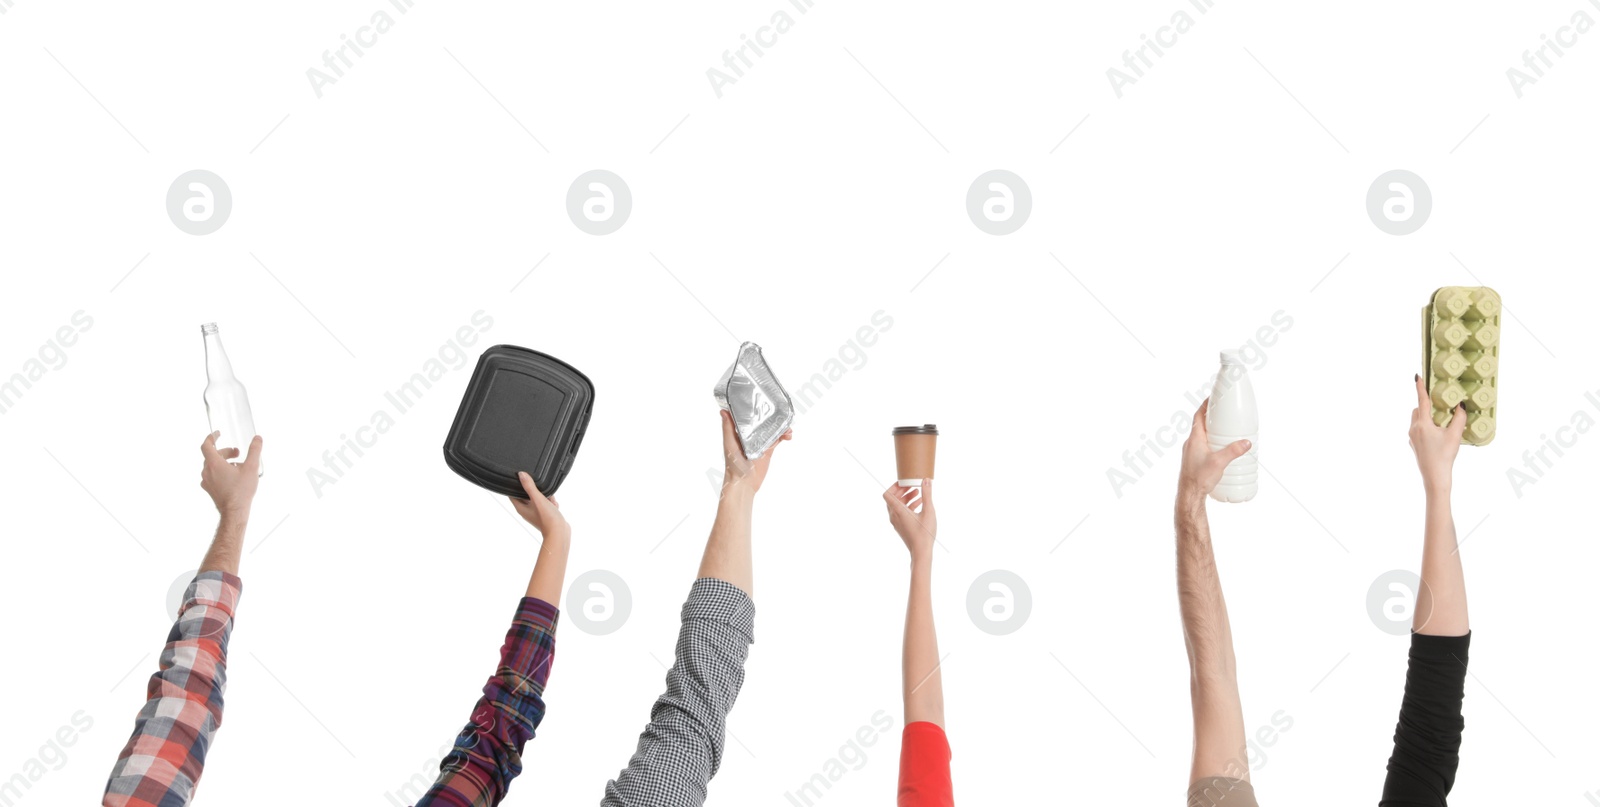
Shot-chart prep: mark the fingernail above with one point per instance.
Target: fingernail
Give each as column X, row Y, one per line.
column 1462, row 406
column 1416, row 376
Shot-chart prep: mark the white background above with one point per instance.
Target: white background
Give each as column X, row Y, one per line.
column 409, row 196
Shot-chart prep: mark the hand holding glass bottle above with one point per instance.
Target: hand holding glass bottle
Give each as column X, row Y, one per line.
column 227, row 404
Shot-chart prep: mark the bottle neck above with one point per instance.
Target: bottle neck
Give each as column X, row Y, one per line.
column 217, row 366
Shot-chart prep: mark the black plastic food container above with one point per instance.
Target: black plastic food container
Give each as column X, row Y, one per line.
column 523, row 411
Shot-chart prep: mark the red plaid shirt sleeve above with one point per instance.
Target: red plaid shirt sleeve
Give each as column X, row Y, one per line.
column 161, row 763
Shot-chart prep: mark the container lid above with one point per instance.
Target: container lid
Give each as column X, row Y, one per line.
column 1232, row 357
column 927, row 428
column 522, row 411
column 761, row 408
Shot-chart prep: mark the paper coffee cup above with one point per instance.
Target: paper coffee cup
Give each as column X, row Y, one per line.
column 913, row 453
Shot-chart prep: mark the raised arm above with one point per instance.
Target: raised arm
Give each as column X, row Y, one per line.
column 728, row 555
column 924, row 748
column 488, row 752
column 1427, row 737
column 1219, row 771
column 161, row 764
column 1442, row 602
column 681, row 748
column 922, row 687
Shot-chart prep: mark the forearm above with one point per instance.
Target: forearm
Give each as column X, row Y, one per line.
column 1442, row 601
column 550, row 569
column 921, row 679
column 728, row 555
column 1206, row 630
column 227, row 545
column 1213, row 684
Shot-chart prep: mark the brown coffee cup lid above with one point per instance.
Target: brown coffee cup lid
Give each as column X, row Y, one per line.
column 927, row 428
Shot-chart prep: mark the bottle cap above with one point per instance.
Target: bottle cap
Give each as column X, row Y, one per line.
column 924, row 429
column 1232, row 357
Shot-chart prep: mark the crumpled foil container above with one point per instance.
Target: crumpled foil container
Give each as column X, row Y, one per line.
column 761, row 408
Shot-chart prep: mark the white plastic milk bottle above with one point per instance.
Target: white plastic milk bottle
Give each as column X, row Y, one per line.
column 1231, row 416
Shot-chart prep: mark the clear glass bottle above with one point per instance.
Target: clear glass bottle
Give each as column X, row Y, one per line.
column 227, row 404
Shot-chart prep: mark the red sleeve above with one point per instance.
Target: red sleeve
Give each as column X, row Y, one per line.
column 924, row 767
column 162, row 762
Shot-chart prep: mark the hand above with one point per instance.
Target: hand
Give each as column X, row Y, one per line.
column 544, row 514
column 1435, row 446
column 918, row 529
column 1202, row 468
column 739, row 472
column 232, row 486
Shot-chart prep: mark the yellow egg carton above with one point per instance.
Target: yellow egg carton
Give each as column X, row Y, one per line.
column 1461, row 357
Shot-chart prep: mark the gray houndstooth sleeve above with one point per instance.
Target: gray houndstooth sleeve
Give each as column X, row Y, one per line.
column 682, row 747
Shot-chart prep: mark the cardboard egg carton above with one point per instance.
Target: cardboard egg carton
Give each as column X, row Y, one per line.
column 1461, row 357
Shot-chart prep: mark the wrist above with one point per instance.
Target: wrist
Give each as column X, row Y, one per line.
column 233, row 519
column 737, row 490
column 922, row 561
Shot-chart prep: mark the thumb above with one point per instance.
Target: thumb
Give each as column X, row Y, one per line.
column 1235, row 450
column 1458, row 421
column 253, row 460
column 528, row 487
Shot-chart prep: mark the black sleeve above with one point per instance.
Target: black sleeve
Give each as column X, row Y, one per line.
column 1428, row 737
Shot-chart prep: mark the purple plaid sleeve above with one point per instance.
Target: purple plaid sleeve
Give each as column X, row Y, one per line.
column 488, row 752
column 161, row 764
